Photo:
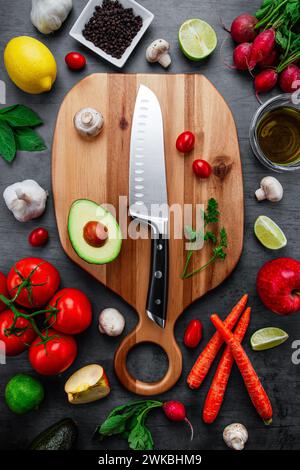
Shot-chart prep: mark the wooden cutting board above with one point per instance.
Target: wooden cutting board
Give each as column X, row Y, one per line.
column 98, row 170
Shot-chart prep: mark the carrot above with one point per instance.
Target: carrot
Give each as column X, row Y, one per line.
column 255, row 389
column 206, row 358
column 218, row 386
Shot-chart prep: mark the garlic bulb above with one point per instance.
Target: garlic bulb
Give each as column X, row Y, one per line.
column 48, row 15
column 26, row 200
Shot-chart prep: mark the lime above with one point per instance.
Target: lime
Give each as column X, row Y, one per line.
column 269, row 234
column 267, row 338
column 23, row 393
column 197, row 39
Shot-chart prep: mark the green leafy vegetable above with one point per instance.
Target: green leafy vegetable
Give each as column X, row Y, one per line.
column 7, row 142
column 210, row 216
column 129, row 422
column 15, row 131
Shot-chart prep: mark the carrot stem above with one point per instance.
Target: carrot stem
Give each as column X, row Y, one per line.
column 255, row 389
column 207, row 357
column 218, row 386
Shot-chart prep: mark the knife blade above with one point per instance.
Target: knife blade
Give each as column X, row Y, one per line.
column 148, row 199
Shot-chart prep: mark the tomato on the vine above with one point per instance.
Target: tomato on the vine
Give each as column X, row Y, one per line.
column 20, row 339
column 55, row 355
column 3, row 290
column 37, row 279
column 185, row 142
column 74, row 311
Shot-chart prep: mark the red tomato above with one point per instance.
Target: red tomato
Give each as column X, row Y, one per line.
column 185, row 142
column 44, row 282
column 75, row 61
column 3, row 290
column 193, row 334
column 55, row 356
column 38, row 237
column 202, row 168
column 75, row 311
column 15, row 344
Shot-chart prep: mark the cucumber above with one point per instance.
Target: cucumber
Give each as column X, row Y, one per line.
column 60, row 436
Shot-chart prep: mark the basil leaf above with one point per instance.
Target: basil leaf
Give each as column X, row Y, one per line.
column 8, row 146
column 19, row 116
column 28, row 140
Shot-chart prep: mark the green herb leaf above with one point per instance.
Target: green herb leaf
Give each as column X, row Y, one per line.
column 210, row 236
column 211, row 216
column 20, row 116
column 140, row 438
column 8, row 146
column 27, row 139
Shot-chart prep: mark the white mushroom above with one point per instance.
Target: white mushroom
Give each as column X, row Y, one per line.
column 235, row 436
column 158, row 51
column 111, row 322
column 26, row 200
column 88, row 122
column 270, row 189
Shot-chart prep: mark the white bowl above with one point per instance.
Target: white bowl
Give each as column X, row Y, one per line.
column 87, row 13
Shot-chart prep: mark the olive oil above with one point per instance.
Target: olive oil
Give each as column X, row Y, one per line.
column 278, row 135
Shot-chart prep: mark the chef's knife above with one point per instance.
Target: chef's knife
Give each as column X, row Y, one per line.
column 148, row 199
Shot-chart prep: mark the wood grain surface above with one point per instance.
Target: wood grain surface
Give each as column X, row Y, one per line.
column 98, row 170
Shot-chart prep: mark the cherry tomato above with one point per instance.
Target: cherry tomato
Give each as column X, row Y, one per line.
column 3, row 290
column 38, row 237
column 185, row 142
column 75, row 61
column 193, row 334
column 55, row 356
column 202, row 168
column 15, row 344
column 74, row 311
column 43, row 281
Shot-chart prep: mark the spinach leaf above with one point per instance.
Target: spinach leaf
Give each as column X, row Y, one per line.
column 20, row 116
column 140, row 438
column 27, row 139
column 8, row 146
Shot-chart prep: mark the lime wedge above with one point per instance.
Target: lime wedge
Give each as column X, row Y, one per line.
column 197, row 39
column 268, row 338
column 269, row 234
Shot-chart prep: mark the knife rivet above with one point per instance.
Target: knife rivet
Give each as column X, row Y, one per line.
column 158, row 274
column 158, row 301
column 159, row 247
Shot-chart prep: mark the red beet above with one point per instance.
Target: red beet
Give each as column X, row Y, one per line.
column 265, row 81
column 175, row 411
column 278, row 285
column 242, row 28
column 289, row 79
column 269, row 61
column 262, row 47
column 241, row 56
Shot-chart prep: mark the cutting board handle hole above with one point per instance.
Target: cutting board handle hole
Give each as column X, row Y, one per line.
column 147, row 362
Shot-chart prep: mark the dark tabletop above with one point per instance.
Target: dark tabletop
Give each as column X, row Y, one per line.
column 274, row 367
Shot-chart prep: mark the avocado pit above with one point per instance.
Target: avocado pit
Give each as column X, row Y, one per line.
column 95, row 234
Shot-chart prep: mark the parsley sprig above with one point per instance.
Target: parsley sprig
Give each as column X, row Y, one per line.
column 220, row 242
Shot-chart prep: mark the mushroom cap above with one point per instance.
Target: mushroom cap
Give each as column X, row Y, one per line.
column 156, row 49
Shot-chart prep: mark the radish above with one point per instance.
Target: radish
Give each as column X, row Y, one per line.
column 289, row 79
column 262, row 46
column 175, row 411
column 269, row 61
column 241, row 56
column 265, row 81
column 243, row 28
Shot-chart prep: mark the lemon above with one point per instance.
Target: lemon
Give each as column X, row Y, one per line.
column 30, row 64
column 197, row 39
column 269, row 234
column 267, row 338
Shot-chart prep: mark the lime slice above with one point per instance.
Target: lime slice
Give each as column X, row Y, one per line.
column 268, row 338
column 269, row 234
column 197, row 39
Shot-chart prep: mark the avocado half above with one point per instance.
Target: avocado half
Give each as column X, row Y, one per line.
column 84, row 211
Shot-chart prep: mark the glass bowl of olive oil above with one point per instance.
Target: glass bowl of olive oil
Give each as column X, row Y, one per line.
column 275, row 133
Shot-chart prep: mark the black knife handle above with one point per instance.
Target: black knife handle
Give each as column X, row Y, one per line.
column 158, row 285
